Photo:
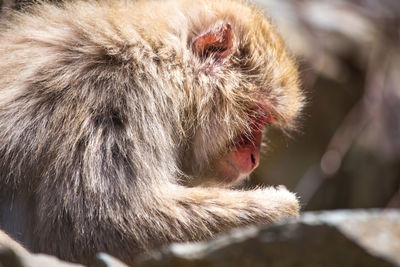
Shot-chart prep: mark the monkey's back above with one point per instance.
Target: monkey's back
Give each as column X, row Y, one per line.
column 84, row 125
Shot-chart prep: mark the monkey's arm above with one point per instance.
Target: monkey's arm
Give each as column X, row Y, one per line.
column 206, row 211
column 190, row 214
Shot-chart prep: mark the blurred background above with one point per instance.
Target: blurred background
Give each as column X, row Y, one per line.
column 347, row 152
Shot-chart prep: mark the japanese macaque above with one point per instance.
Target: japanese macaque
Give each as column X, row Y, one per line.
column 124, row 125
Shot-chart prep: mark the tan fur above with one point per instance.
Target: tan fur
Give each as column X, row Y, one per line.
column 105, row 111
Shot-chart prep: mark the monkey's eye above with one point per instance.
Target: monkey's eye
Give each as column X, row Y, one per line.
column 216, row 43
column 260, row 116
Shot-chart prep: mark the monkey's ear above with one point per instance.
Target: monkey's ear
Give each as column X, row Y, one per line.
column 216, row 43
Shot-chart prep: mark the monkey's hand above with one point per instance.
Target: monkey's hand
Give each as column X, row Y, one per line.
column 276, row 203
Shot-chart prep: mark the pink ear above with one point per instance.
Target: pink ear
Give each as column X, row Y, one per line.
column 216, row 43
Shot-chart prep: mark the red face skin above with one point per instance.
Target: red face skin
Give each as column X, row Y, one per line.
column 244, row 158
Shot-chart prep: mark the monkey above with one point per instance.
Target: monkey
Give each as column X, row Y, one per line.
column 126, row 125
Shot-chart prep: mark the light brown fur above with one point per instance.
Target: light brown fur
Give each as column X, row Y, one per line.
column 106, row 112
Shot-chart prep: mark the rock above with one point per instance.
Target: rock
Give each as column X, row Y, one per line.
column 105, row 260
column 376, row 231
column 11, row 258
column 12, row 254
column 367, row 238
column 337, row 238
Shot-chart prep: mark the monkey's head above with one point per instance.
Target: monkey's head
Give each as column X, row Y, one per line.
column 239, row 79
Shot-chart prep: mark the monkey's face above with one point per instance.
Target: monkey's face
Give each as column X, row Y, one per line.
column 243, row 155
column 241, row 80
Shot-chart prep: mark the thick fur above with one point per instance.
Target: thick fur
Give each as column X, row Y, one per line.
column 105, row 112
